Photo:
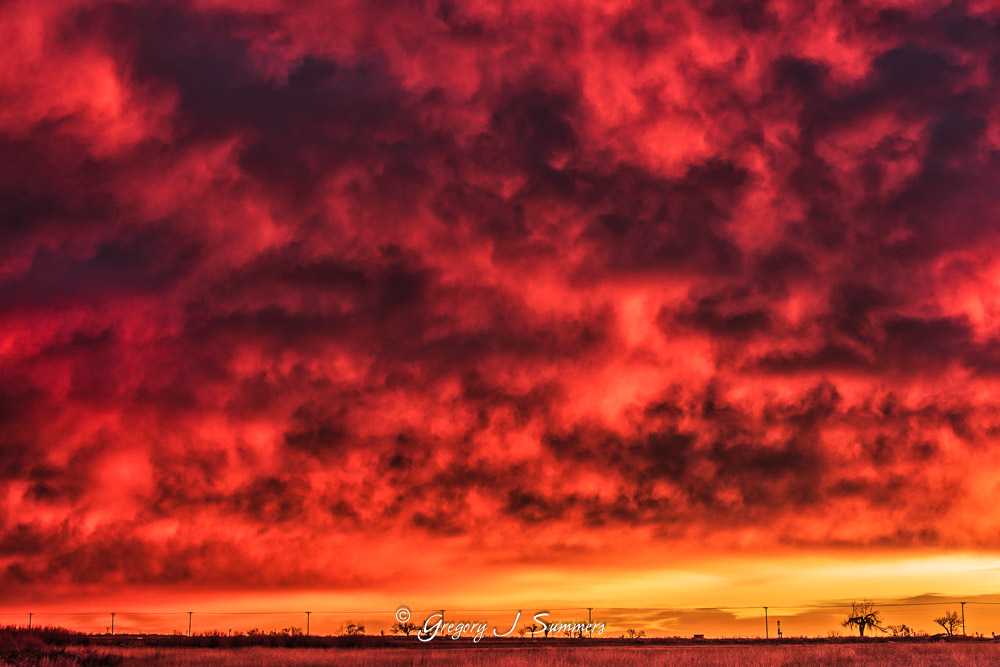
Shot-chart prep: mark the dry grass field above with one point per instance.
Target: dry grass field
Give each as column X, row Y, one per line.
column 57, row 647
column 829, row 654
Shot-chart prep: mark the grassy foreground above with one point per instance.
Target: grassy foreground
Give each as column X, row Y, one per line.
column 57, row 647
column 829, row 654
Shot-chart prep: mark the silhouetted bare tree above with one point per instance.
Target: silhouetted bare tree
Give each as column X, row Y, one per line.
column 902, row 630
column 404, row 628
column 863, row 616
column 950, row 621
column 352, row 629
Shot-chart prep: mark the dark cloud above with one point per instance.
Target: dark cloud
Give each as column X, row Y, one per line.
column 321, row 280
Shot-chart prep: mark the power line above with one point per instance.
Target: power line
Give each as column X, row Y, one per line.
column 135, row 619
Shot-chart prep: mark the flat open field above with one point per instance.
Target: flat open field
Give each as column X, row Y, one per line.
column 829, row 654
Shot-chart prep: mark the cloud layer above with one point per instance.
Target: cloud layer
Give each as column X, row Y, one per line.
column 510, row 278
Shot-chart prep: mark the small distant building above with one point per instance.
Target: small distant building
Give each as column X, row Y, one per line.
column 698, row 637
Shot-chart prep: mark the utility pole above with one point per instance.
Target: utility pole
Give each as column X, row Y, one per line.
column 963, row 617
column 190, row 613
column 590, row 621
column 112, row 623
column 307, row 623
column 29, row 619
column 766, row 629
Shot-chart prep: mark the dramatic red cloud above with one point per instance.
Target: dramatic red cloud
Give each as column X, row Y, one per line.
column 323, row 296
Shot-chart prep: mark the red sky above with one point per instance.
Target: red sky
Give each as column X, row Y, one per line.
column 497, row 303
